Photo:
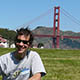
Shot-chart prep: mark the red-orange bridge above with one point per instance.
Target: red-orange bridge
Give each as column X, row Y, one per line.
column 56, row 29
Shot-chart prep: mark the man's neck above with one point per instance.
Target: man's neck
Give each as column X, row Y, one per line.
column 19, row 56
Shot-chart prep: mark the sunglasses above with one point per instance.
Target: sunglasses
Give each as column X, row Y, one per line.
column 24, row 41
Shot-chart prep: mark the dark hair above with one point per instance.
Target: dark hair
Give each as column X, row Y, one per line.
column 26, row 32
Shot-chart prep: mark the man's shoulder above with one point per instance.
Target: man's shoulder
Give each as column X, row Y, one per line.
column 33, row 53
column 3, row 57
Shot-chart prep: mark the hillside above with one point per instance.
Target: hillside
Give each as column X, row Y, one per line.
column 64, row 43
column 47, row 41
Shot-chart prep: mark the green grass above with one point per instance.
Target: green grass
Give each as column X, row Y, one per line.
column 5, row 50
column 59, row 64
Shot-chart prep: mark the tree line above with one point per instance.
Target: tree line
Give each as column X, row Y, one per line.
column 8, row 34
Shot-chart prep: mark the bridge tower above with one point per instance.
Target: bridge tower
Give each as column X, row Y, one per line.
column 56, row 25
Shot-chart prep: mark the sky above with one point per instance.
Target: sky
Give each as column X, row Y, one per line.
column 17, row 13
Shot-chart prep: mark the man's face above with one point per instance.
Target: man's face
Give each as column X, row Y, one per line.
column 22, row 44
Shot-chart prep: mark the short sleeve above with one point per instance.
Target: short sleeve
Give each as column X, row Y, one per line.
column 37, row 65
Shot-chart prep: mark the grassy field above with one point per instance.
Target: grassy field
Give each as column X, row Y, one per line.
column 59, row 64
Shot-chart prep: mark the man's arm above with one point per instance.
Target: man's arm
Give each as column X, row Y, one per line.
column 37, row 76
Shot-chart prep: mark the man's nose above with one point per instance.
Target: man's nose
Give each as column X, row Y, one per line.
column 21, row 43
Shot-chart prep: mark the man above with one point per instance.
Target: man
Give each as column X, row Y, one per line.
column 22, row 64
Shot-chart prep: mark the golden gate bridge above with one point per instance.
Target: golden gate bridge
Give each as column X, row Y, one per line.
column 56, row 27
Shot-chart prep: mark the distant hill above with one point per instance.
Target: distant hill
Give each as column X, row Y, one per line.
column 64, row 43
